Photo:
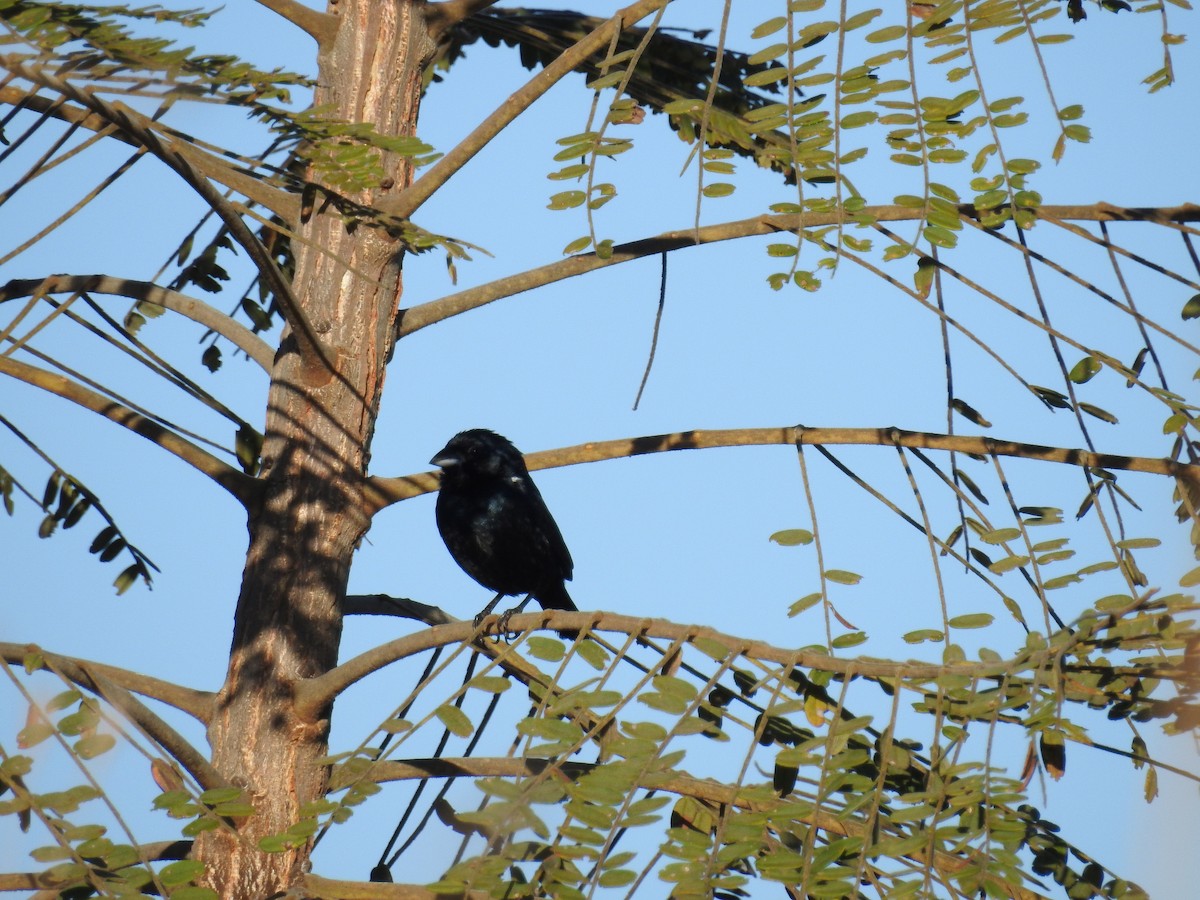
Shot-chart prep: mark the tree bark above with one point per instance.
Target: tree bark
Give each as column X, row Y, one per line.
column 316, row 449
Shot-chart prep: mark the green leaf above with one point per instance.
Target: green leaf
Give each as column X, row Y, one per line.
column 853, row 639
column 769, row 27
column 1096, row 412
column 1085, row 370
column 890, row 33
column 1000, row 535
column 545, row 648
column 455, row 720
column 492, row 684
column 93, row 745
column 1191, row 309
column 972, row 620
column 924, row 634
column 566, row 200
column 194, row 893
column 969, row 413
column 718, row 189
column 804, row 603
column 181, row 872
column 1190, row 579
column 792, row 537
column 841, row 576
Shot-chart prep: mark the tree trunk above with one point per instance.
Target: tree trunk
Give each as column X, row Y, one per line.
column 315, row 453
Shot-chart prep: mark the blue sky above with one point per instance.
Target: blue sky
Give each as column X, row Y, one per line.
column 681, row 536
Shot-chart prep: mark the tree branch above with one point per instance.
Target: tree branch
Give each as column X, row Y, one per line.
column 385, row 491
column 401, row 607
column 320, row 26
column 320, row 888
column 240, row 485
column 46, row 881
column 172, row 154
column 189, row 307
column 197, row 704
column 283, row 204
column 313, row 694
column 424, row 314
column 166, row 737
column 114, row 685
column 410, row 199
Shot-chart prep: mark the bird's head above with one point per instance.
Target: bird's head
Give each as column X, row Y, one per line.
column 478, row 454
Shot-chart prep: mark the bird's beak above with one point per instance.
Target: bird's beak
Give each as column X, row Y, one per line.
column 442, row 460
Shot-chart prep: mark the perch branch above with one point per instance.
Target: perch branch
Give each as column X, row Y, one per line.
column 188, row 307
column 409, row 201
column 237, row 483
column 385, row 491
column 423, row 314
column 315, row 693
column 320, row 888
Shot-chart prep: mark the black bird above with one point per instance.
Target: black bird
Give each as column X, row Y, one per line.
column 495, row 522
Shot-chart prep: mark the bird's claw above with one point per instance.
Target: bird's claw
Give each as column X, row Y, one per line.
column 502, row 624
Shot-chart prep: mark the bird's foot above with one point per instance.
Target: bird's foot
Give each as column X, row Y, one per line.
column 502, row 624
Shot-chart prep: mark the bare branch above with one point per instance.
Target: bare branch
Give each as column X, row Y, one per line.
column 83, row 672
column 237, row 483
column 409, row 201
column 418, row 317
column 386, row 491
column 401, row 607
column 321, row 27
column 189, row 307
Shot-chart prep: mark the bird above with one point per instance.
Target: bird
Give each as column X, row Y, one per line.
column 495, row 523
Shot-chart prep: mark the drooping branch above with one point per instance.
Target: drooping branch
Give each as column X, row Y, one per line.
column 392, row 490
column 410, row 200
column 240, row 485
column 321, row 27
column 712, row 792
column 160, row 732
column 424, row 314
column 174, row 155
column 195, row 703
column 283, row 204
column 189, row 307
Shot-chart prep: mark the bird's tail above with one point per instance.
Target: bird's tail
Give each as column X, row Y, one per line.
column 555, row 596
